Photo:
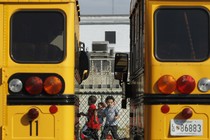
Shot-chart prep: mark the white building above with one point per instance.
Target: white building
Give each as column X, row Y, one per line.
column 103, row 35
column 112, row 28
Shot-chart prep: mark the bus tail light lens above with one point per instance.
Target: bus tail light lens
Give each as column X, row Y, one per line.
column 33, row 114
column 165, row 109
column 15, row 85
column 185, row 84
column 53, row 109
column 34, row 85
column 187, row 113
column 204, row 84
column 52, row 85
column 166, row 84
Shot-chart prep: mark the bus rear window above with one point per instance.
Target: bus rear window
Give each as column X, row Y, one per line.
column 37, row 36
column 181, row 34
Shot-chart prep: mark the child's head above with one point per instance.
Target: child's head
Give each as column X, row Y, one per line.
column 110, row 101
column 101, row 105
column 92, row 100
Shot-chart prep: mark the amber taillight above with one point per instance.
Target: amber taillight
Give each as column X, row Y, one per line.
column 52, row 85
column 166, row 84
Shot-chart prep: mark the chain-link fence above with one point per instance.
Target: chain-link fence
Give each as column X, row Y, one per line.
column 123, row 126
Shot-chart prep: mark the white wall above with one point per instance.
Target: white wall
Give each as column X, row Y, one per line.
column 96, row 32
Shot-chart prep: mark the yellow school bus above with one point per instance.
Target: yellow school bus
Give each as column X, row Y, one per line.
column 42, row 63
column 169, row 84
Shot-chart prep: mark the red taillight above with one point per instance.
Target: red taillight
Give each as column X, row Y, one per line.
column 166, row 84
column 34, row 85
column 185, row 84
column 52, row 85
column 33, row 114
column 165, row 109
column 187, row 113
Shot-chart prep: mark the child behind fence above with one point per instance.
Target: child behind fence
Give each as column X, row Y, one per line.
column 111, row 112
column 101, row 107
column 92, row 124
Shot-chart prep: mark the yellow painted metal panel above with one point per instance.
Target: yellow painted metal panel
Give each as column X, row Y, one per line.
column 159, row 126
column 47, row 126
column 2, row 96
column 156, row 123
column 15, row 124
column 176, row 69
column 39, row 1
column 65, row 68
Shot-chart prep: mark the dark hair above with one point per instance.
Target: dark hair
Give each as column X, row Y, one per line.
column 102, row 104
column 109, row 98
column 92, row 99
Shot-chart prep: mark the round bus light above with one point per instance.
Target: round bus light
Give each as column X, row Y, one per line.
column 53, row 109
column 165, row 109
column 187, row 113
column 166, row 84
column 34, row 85
column 204, row 84
column 33, row 114
column 185, row 84
column 52, row 85
column 15, row 85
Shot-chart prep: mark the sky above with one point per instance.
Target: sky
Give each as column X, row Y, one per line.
column 104, row 7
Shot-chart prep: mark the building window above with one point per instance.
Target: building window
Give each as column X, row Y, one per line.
column 110, row 36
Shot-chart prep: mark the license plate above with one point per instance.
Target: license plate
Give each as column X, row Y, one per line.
column 180, row 127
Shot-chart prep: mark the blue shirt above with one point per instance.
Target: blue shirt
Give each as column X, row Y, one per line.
column 111, row 113
column 100, row 116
